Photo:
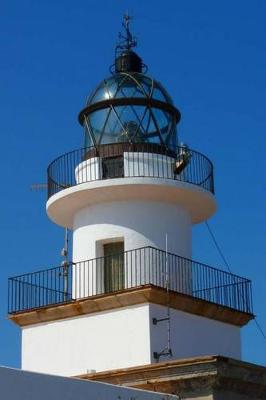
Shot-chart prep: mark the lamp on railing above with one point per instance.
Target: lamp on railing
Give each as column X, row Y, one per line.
column 182, row 159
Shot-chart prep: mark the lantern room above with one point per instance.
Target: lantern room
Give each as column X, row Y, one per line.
column 130, row 107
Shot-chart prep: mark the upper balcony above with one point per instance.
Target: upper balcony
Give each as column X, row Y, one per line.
column 124, row 172
column 137, row 276
column 124, row 160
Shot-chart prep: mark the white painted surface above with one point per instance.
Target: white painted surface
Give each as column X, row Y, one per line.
column 198, row 202
column 135, row 164
column 89, row 170
column 100, row 341
column 122, row 338
column 139, row 223
column 193, row 335
column 148, row 164
column 23, row 385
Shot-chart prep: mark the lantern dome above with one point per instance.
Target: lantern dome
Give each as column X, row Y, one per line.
column 124, row 85
column 130, row 107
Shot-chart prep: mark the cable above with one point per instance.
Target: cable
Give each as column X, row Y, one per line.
column 218, row 247
column 259, row 327
column 229, row 269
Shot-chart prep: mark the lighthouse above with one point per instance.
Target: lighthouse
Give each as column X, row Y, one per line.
column 132, row 295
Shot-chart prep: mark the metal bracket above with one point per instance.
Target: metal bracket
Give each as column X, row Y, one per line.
column 166, row 352
column 155, row 320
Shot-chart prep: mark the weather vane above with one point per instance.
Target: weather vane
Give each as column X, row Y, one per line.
column 126, row 40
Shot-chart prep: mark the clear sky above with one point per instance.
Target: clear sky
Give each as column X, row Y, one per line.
column 211, row 57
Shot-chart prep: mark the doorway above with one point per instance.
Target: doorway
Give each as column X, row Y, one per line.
column 113, row 266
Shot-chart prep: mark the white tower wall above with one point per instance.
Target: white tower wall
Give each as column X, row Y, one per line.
column 137, row 223
column 192, row 335
column 122, row 338
column 101, row 341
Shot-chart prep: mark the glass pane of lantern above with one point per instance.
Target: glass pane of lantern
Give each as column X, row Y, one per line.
column 147, row 84
column 98, row 95
column 163, row 120
column 128, row 87
column 112, row 129
column 88, row 139
column 148, row 123
column 104, row 91
column 97, row 121
column 127, row 113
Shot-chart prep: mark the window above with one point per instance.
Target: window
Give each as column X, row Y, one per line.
column 113, row 167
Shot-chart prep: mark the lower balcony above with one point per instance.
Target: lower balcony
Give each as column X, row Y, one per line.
column 120, row 273
column 156, row 275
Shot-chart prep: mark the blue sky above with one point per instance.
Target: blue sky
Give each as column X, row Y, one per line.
column 209, row 55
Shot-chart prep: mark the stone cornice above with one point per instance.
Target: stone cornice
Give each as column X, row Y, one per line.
column 195, row 377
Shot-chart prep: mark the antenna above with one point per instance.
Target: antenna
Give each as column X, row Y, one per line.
column 38, row 186
column 166, row 352
column 65, row 264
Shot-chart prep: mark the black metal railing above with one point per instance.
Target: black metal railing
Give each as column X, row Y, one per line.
column 127, row 270
column 125, row 160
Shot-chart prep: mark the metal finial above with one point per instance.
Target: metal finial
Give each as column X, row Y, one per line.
column 126, row 40
column 126, row 60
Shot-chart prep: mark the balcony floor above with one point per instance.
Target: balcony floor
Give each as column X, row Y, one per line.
column 133, row 296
